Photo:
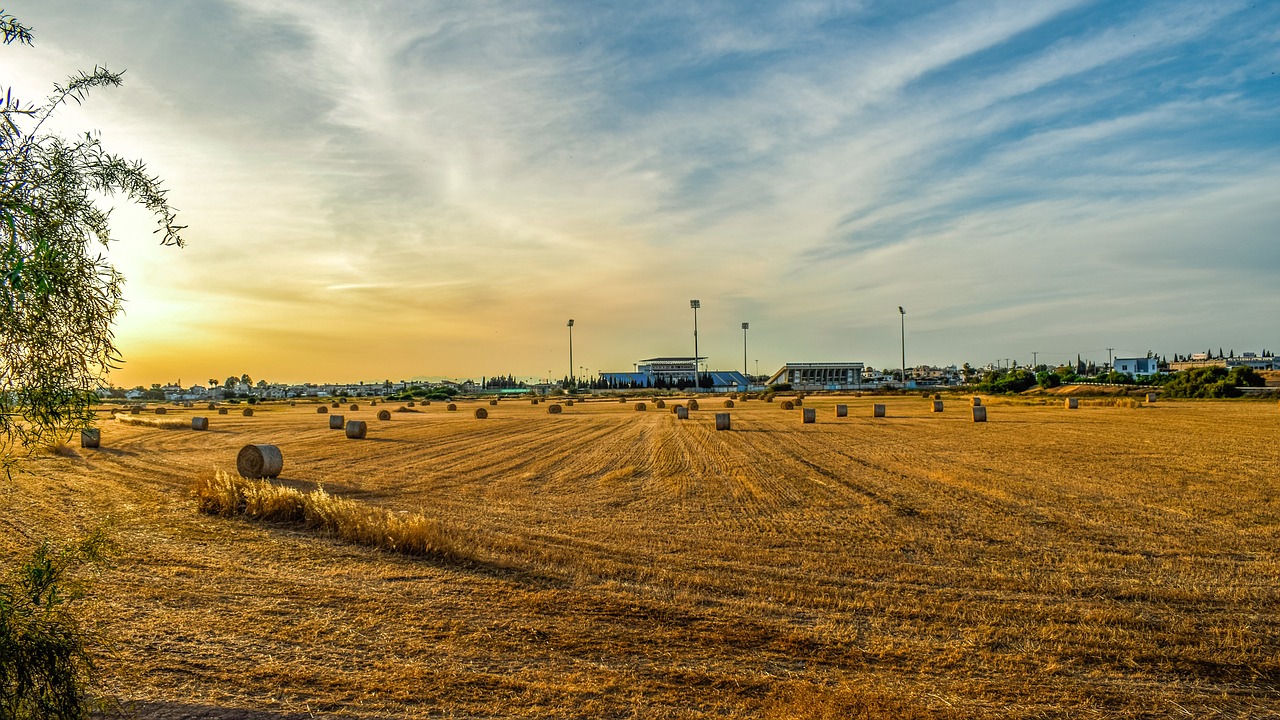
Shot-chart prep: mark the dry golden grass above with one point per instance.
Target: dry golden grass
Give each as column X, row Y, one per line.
column 230, row 495
column 1097, row 563
column 163, row 424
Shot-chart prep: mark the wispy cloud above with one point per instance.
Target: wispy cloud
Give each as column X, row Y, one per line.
column 453, row 180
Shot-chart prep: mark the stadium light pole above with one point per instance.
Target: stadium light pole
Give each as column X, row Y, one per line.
column 570, row 351
column 695, row 304
column 903, row 314
column 744, row 351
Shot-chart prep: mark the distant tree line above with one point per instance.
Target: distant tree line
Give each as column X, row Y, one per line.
column 1206, row 382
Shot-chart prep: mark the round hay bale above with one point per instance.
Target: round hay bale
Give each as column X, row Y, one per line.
column 161, row 411
column 641, row 407
column 809, row 416
column 659, row 403
column 979, row 413
column 481, row 413
column 354, row 408
column 568, row 403
column 357, row 429
column 842, row 411
column 259, row 461
column 728, row 403
column 333, row 405
column 1151, row 397
column 1071, row 403
column 410, row 403
column 424, row 403
column 937, row 396
column 788, row 405
column 798, row 402
column 622, row 401
column 722, row 421
column 451, row 407
column 222, row 411
column 554, row 409
column 337, row 422
column 682, row 412
column 384, row 415
column 248, row 412
column 199, row 423
column 533, row 401
column 877, row 410
column 293, row 403
column 924, row 395
column 212, row 406
column 693, row 405
column 373, row 403
column 768, row 398
column 493, row 402
column 135, row 410
column 937, row 406
column 322, row 410
column 976, row 402
column 90, row 438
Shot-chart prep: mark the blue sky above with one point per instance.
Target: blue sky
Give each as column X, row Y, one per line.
column 390, row 189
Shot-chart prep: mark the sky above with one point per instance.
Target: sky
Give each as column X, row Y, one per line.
column 399, row 189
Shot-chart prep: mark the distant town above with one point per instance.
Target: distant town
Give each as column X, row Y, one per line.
column 689, row 373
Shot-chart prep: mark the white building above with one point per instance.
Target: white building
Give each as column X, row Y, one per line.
column 1137, row 367
column 819, row 376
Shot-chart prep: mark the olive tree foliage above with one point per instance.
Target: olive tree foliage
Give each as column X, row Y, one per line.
column 58, row 294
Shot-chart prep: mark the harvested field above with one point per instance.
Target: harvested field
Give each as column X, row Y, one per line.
column 1107, row 562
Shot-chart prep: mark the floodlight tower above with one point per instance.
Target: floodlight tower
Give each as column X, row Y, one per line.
column 695, row 304
column 903, row 314
column 570, row 351
column 744, row 349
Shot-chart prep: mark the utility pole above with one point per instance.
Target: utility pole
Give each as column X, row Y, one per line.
column 744, row 347
column 1035, row 359
column 1109, row 358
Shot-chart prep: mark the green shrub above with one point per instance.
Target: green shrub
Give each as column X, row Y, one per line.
column 1245, row 377
column 1007, row 381
column 46, row 661
column 1206, row 382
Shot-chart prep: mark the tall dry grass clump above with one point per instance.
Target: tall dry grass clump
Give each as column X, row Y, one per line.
column 227, row 495
column 163, row 424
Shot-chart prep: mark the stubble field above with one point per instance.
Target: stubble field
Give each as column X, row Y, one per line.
column 1102, row 562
